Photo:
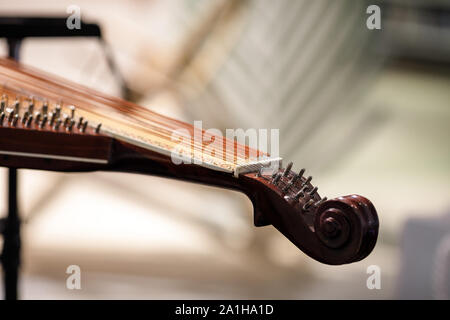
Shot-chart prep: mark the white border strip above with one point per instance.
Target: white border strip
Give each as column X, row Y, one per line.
column 244, row 168
column 157, row 149
column 55, row 157
column 254, row 166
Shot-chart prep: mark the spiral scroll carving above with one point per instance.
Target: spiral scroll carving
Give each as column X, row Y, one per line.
column 337, row 231
column 348, row 224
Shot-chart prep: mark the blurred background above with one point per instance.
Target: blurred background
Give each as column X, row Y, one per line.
column 364, row 111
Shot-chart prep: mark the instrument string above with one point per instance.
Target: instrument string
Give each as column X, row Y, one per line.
column 149, row 124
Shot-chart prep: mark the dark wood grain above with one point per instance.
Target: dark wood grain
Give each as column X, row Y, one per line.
column 336, row 231
column 353, row 219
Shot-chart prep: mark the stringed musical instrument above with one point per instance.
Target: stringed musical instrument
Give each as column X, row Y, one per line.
column 49, row 123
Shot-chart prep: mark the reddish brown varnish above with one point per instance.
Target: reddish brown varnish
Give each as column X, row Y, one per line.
column 336, row 231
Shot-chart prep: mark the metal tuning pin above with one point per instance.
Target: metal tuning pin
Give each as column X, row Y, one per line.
column 10, row 116
column 261, row 173
column 288, row 169
column 307, row 205
column 84, row 126
column 298, row 195
column 66, row 120
column 72, row 111
column 15, row 120
column 25, row 117
column 16, row 106
column 52, row 118
column 29, row 121
column 306, row 190
column 293, row 180
column 97, row 128
column 68, row 124
column 298, row 176
column 318, row 203
column 45, row 109
column 57, row 125
column 301, row 193
column 3, row 103
column 80, row 122
column 308, row 180
column 71, row 124
column 31, row 106
column 313, row 191
column 57, row 111
column 287, row 186
column 276, row 178
column 37, row 117
column 2, row 118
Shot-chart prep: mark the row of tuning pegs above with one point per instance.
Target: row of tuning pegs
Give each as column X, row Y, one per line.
column 54, row 119
column 304, row 190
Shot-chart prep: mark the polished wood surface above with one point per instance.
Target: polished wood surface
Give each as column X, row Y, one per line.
column 121, row 119
column 134, row 139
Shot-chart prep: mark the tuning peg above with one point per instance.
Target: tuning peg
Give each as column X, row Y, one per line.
column 57, row 124
column 260, row 172
column 16, row 106
column 313, row 191
column 66, row 120
column 37, row 117
column 31, row 105
column 308, row 180
column 15, row 120
column 299, row 175
column 45, row 108
column 43, row 122
column 308, row 204
column 301, row 193
column 293, row 180
column 71, row 124
column 80, row 122
column 57, row 111
column 288, row 169
column 2, row 118
column 29, row 121
column 25, row 117
column 3, row 103
column 97, row 129
column 72, row 111
column 318, row 203
column 52, row 118
column 11, row 116
column 287, row 186
column 84, row 126
column 276, row 178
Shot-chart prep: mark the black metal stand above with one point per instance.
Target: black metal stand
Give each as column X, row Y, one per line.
column 10, row 226
column 15, row 29
column 11, row 240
